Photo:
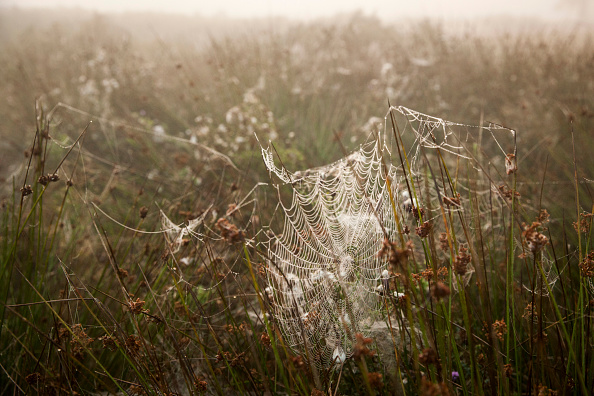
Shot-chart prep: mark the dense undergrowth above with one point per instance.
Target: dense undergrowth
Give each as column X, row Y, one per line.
column 119, row 131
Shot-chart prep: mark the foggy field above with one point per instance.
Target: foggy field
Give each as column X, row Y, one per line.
column 197, row 205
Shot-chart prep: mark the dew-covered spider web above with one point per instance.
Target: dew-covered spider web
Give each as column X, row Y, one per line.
column 326, row 280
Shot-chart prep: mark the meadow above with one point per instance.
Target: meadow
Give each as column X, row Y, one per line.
column 139, row 220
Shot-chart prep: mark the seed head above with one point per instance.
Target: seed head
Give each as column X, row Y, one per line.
column 508, row 370
column 360, row 349
column 26, row 190
column 462, row 261
column 511, row 164
column 428, row 356
column 534, row 239
column 424, row 229
column 500, row 329
column 587, row 266
column 443, row 242
column 136, row 306
column 229, row 231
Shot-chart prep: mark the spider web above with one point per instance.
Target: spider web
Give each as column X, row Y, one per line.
column 324, row 272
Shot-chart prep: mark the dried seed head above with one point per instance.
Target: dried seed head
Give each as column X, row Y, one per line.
column 108, row 342
column 265, row 339
column 396, row 257
column 360, row 349
column 43, row 180
column 587, row 266
column 26, row 190
column 534, row 239
column 428, row 356
column 500, row 329
column 33, row 378
column 133, row 344
column 136, row 306
column 443, row 242
column 143, row 212
column 508, row 370
column 452, row 201
column 507, row 193
column 462, row 261
column 584, row 222
column 511, row 164
column 80, row 340
column 375, row 380
column 229, row 231
column 543, row 216
column 200, row 385
column 424, row 229
column 428, row 388
column 530, row 313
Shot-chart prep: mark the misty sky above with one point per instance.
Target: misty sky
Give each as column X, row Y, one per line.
column 386, row 9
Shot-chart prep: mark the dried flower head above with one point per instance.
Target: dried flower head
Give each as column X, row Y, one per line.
column 229, row 231
column 418, row 213
column 462, row 261
column 426, row 274
column 452, row 201
column 443, row 242
column 108, row 342
column 375, row 381
column 133, row 344
column 542, row 390
column 534, row 239
column 43, row 180
column 507, row 193
column 265, row 339
column 543, row 216
column 587, row 266
column 297, row 362
column 238, row 360
column 26, row 190
column 443, row 272
column 428, row 388
column 33, row 378
column 511, row 164
column 136, row 390
column 143, row 212
column 80, row 340
column 508, row 370
column 360, row 349
column 396, row 257
column 500, row 329
column 200, row 385
column 584, row 222
column 530, row 313
column 136, row 306
column 424, row 229
column 46, row 179
column 428, row 356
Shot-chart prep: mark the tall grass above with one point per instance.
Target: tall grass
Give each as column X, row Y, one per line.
column 94, row 298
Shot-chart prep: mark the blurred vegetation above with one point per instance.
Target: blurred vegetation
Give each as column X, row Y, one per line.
column 175, row 104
